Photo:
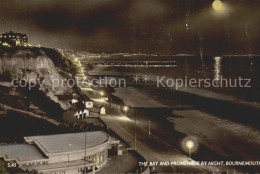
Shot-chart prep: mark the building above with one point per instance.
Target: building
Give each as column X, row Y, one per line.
column 11, row 39
column 85, row 113
column 102, row 110
column 82, row 114
column 73, row 101
column 89, row 104
column 61, row 154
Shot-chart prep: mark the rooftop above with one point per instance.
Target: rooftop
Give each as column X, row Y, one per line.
column 13, row 33
column 22, row 152
column 68, row 142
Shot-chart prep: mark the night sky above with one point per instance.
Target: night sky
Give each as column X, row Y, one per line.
column 146, row 26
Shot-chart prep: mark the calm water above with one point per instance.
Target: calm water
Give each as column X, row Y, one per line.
column 222, row 67
column 208, row 67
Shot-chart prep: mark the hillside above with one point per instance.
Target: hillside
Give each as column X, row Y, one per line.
column 37, row 69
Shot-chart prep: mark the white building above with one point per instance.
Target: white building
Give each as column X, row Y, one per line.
column 76, row 114
column 63, row 153
column 85, row 113
column 73, row 101
column 102, row 110
column 89, row 104
column 80, row 114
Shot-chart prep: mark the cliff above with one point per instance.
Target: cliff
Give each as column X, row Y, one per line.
column 33, row 76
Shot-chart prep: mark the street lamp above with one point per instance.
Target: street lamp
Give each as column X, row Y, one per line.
column 135, row 131
column 125, row 109
column 69, row 156
column 149, row 127
column 190, row 145
column 85, row 158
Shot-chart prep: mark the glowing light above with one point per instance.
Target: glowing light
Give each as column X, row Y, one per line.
column 125, row 108
column 218, row 6
column 87, row 89
column 99, row 100
column 190, row 144
column 102, row 93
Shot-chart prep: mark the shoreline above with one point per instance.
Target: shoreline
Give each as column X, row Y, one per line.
column 136, row 97
column 180, row 124
column 182, row 104
column 231, row 104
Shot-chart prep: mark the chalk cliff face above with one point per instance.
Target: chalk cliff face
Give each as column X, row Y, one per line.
column 40, row 70
column 35, row 67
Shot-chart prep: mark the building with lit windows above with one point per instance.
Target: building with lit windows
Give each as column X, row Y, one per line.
column 10, row 39
column 71, row 153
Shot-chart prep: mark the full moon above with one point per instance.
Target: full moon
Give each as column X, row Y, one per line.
column 218, row 6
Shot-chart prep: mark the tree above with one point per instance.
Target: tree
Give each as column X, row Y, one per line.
column 2, row 168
